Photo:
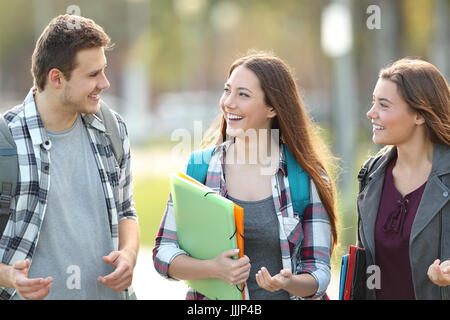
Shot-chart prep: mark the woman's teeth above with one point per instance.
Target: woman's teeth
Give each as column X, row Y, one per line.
column 234, row 117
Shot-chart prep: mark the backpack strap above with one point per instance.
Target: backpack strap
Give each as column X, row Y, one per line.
column 298, row 183
column 198, row 164
column 112, row 130
column 9, row 169
column 363, row 174
column 298, row 179
column 366, row 168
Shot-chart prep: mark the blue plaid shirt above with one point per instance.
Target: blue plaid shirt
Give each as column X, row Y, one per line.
column 28, row 207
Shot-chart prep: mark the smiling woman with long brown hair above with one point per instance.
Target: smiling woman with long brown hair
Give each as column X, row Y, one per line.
column 296, row 129
column 404, row 207
column 287, row 253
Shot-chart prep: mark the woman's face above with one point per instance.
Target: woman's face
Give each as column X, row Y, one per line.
column 393, row 121
column 243, row 104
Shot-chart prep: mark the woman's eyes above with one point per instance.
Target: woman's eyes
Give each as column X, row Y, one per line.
column 242, row 94
column 384, row 106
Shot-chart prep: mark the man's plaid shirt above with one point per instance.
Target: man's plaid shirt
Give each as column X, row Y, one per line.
column 305, row 243
column 28, row 207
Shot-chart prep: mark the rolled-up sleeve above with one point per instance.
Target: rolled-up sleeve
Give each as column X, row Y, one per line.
column 315, row 251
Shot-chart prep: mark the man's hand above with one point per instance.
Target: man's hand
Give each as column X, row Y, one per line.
column 121, row 278
column 439, row 273
column 30, row 289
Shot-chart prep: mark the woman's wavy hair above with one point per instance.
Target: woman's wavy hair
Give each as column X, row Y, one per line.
column 426, row 91
column 296, row 129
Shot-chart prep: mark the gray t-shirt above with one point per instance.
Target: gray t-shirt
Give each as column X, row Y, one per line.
column 261, row 245
column 75, row 232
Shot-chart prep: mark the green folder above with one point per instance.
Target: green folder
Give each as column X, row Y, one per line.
column 205, row 228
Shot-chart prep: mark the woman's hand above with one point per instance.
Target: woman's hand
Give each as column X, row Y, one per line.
column 439, row 273
column 275, row 283
column 232, row 271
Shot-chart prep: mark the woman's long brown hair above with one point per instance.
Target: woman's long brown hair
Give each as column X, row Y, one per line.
column 294, row 125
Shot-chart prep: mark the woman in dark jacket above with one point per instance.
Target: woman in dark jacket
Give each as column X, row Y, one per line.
column 404, row 209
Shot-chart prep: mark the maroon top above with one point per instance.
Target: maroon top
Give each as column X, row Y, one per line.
column 392, row 230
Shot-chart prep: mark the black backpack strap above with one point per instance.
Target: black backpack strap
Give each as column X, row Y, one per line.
column 9, row 169
column 112, row 130
column 363, row 175
column 366, row 168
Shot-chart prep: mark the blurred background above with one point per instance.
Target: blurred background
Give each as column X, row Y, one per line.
column 171, row 58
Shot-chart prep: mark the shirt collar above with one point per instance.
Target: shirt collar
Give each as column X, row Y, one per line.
column 94, row 121
column 36, row 127
column 33, row 121
column 441, row 157
column 282, row 164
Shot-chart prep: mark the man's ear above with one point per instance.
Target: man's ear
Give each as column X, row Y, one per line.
column 55, row 78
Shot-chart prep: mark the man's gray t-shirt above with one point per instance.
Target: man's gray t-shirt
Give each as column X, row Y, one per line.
column 75, row 232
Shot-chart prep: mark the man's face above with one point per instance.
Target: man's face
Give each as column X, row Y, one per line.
column 82, row 92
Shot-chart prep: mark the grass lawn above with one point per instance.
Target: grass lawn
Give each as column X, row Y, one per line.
column 150, row 195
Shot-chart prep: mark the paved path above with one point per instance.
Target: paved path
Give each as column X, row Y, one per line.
column 149, row 285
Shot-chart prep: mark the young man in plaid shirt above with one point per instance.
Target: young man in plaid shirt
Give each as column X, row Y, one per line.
column 72, row 231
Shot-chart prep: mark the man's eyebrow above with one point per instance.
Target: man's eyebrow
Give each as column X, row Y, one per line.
column 240, row 88
column 98, row 70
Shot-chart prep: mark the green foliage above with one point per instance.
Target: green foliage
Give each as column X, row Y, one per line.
column 16, row 27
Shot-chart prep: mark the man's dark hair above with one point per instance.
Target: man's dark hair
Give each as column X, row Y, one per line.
column 59, row 44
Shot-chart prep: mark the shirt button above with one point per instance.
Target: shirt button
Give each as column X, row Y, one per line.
column 47, row 145
column 445, row 194
column 275, row 186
